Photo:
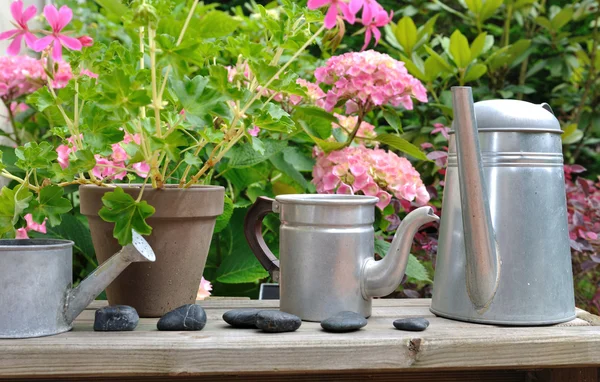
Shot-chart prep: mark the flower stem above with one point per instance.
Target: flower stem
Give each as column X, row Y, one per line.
column 8, row 175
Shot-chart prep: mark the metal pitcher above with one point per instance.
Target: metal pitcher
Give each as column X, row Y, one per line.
column 326, row 252
column 503, row 253
column 36, row 294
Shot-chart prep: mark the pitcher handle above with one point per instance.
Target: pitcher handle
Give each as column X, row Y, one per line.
column 253, row 232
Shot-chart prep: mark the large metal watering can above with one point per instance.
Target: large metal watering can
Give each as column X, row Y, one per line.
column 326, row 252
column 503, row 251
column 36, row 298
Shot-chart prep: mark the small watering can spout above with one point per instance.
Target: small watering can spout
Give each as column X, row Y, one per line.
column 482, row 258
column 79, row 298
column 382, row 277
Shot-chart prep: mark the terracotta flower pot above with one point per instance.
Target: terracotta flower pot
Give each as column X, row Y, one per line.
column 182, row 229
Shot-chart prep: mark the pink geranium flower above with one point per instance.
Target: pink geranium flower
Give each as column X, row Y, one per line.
column 21, row 233
column 372, row 25
column 440, row 128
column 335, row 6
column 33, row 226
column 254, row 131
column 57, row 19
column 369, row 7
column 204, row 289
column 21, row 19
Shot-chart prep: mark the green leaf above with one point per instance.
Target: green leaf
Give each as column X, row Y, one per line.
column 200, row 102
column 225, row 217
column 414, row 269
column 12, row 204
column 426, row 30
column 115, row 7
column 475, row 71
column 2, row 166
column 478, row 45
column 489, row 8
column 171, row 144
column 315, row 121
column 246, row 156
column 459, row 48
column 278, row 160
column 571, row 134
column 41, row 99
column 406, row 34
column 214, row 24
column 34, row 156
column 414, row 69
column 300, row 161
column 561, row 18
column 544, row 22
column 127, row 214
column 439, row 59
column 474, row 6
column 403, row 145
column 239, row 265
column 432, row 69
column 274, row 118
column 71, row 228
column 391, row 117
column 50, row 204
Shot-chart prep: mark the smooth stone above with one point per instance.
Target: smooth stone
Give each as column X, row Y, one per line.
column 344, row 322
column 116, row 318
column 241, row 318
column 186, row 317
column 274, row 321
column 411, row 324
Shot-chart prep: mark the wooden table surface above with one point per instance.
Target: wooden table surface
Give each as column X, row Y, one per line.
column 377, row 349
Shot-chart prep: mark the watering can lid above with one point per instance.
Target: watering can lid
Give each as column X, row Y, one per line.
column 515, row 115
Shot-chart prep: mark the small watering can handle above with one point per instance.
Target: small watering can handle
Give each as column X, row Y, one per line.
column 253, row 232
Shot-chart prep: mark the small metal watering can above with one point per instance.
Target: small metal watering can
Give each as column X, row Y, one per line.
column 503, row 253
column 36, row 295
column 326, row 249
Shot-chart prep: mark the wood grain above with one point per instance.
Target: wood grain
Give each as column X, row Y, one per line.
column 219, row 349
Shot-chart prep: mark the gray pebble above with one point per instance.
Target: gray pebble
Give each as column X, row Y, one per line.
column 116, row 318
column 344, row 322
column 274, row 321
column 241, row 318
column 186, row 317
column 412, row 324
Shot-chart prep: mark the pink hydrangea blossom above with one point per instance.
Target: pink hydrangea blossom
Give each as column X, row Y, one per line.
column 21, row 19
column 58, row 20
column 368, row 79
column 335, row 7
column 204, row 289
column 315, row 94
column 22, row 75
column 375, row 172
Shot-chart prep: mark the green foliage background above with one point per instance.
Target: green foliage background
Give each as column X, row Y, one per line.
column 536, row 50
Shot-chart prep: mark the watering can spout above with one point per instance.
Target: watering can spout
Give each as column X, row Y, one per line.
column 382, row 277
column 482, row 257
column 81, row 296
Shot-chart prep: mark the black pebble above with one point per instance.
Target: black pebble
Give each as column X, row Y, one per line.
column 241, row 318
column 186, row 317
column 116, row 318
column 411, row 324
column 344, row 322
column 274, row 321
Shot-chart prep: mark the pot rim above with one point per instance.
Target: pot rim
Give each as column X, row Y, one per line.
column 327, row 199
column 167, row 187
column 33, row 244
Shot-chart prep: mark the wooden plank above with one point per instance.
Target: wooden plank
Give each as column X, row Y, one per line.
column 445, row 345
column 585, row 374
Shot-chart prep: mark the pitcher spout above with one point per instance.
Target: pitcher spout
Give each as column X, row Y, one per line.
column 482, row 256
column 81, row 296
column 381, row 277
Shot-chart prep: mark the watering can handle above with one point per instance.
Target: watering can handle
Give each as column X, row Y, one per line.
column 253, row 232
